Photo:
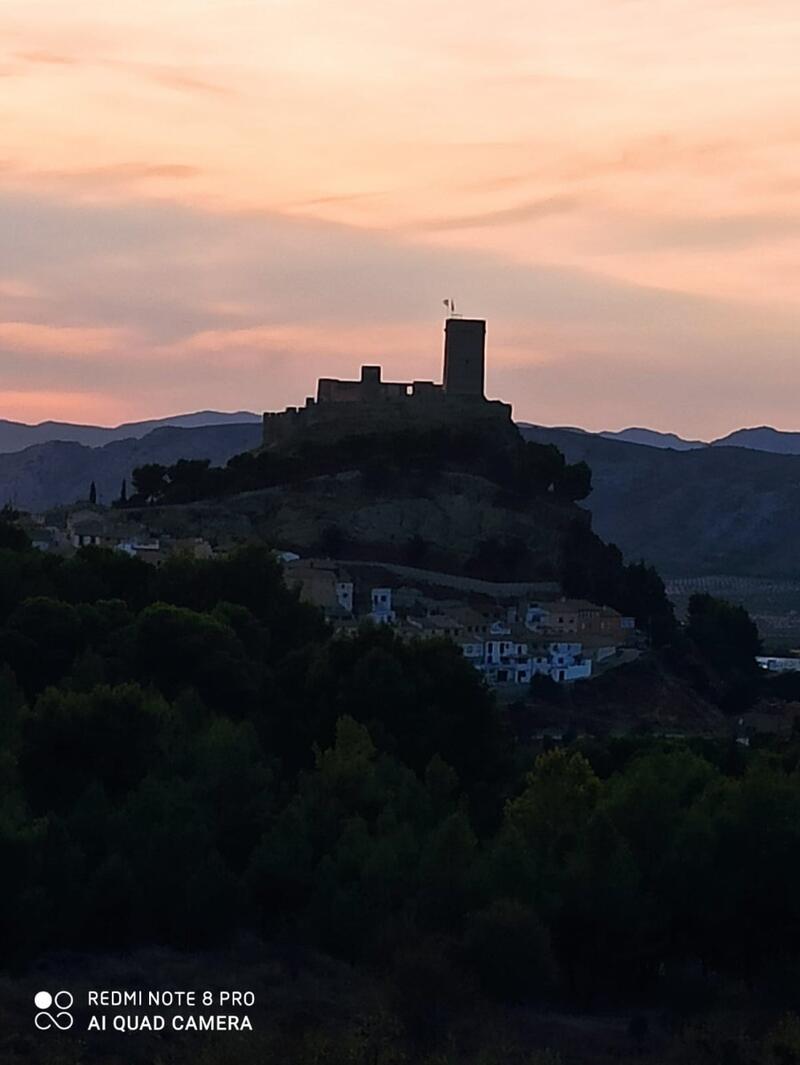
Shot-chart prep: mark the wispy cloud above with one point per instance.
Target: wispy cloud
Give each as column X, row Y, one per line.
column 69, row 341
column 528, row 211
column 57, row 59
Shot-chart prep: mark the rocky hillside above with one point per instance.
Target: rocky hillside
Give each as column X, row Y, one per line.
column 455, row 523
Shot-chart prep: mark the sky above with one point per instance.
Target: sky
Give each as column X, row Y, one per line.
column 211, row 203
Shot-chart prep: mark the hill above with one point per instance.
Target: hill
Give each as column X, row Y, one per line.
column 763, row 438
column 471, row 497
column 56, row 472
column 715, row 510
column 652, row 438
column 15, row 436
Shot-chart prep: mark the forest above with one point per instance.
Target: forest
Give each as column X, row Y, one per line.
column 189, row 755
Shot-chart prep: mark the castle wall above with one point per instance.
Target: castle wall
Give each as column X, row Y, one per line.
column 331, row 421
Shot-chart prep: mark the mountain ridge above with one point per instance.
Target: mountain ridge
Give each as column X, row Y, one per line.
column 754, row 438
column 16, row 436
column 59, row 472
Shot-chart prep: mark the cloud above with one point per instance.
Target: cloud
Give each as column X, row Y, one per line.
column 47, row 58
column 178, row 79
column 168, row 308
column 637, row 232
column 69, row 341
column 117, row 174
column 528, row 211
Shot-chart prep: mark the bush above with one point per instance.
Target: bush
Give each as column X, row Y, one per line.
column 509, row 948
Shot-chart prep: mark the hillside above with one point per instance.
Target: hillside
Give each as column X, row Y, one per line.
column 716, row 510
column 472, row 497
column 53, row 473
column 454, row 523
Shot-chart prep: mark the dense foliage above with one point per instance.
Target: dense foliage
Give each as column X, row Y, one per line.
column 187, row 750
column 187, row 753
column 522, row 469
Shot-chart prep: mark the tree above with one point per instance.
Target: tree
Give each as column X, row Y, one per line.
column 726, row 634
column 150, row 481
column 179, row 648
column 93, row 493
column 510, row 950
column 574, row 482
column 12, row 537
column 728, row 639
column 70, row 740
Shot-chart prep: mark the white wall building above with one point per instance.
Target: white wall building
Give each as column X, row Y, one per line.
column 504, row 659
column 779, row 665
column 382, row 612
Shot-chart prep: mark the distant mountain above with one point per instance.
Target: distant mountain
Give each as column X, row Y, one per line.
column 711, row 510
column 14, row 436
column 763, row 438
column 647, row 437
column 652, row 438
column 57, row 472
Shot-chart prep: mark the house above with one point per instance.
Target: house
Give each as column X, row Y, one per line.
column 43, row 538
column 323, row 583
column 382, row 612
column 86, row 530
column 580, row 617
column 507, row 657
column 774, row 664
column 433, row 626
column 193, row 546
column 149, row 551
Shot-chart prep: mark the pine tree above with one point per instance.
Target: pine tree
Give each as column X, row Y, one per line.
column 123, row 492
column 93, row 493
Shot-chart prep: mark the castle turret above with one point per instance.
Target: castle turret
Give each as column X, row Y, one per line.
column 464, row 356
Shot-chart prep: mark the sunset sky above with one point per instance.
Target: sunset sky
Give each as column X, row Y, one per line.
column 210, row 203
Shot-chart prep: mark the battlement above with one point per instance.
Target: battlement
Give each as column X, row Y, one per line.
column 371, row 388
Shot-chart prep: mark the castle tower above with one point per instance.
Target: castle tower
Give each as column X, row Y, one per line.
column 464, row 356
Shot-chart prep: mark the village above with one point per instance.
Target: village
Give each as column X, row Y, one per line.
column 510, row 633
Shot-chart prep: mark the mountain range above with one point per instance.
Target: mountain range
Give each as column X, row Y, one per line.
column 14, row 436
column 761, row 438
column 697, row 512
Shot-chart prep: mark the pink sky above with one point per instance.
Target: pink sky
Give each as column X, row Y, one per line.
column 209, row 203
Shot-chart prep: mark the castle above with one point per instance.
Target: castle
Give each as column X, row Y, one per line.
column 372, row 404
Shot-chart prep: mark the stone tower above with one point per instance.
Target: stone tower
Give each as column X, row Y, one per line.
column 464, row 356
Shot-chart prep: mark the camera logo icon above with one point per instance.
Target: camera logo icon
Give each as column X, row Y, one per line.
column 60, row 1003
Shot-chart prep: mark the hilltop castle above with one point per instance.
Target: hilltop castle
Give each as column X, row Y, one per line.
column 372, row 404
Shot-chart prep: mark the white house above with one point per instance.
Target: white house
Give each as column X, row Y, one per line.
column 779, row 665
column 504, row 658
column 382, row 612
